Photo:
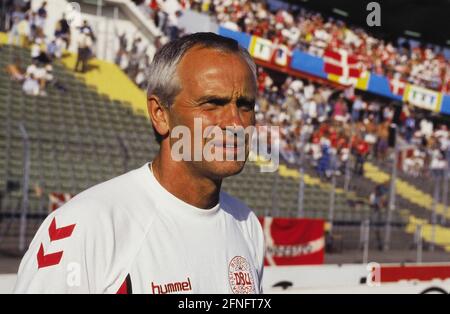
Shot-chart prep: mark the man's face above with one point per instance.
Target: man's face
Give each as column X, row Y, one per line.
column 217, row 88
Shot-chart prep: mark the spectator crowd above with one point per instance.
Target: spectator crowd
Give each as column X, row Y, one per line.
column 423, row 65
column 341, row 127
column 26, row 28
column 334, row 129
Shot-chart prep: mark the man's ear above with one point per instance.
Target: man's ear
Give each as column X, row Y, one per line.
column 158, row 115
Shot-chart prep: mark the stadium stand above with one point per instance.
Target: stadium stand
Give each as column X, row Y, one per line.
column 71, row 134
column 97, row 129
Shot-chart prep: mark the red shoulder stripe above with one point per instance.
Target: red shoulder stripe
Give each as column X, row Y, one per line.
column 125, row 288
column 49, row 259
column 59, row 233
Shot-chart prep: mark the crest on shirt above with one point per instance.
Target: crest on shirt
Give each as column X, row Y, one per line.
column 240, row 276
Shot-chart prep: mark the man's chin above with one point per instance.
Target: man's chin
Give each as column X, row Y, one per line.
column 223, row 169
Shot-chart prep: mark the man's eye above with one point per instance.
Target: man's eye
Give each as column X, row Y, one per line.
column 246, row 105
column 217, row 102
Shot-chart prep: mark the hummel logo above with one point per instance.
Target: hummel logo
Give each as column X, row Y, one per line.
column 172, row 287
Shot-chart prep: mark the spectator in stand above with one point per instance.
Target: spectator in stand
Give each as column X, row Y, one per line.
column 31, row 86
column 84, row 50
column 378, row 202
column 14, row 34
column 86, row 29
column 36, row 72
column 340, row 111
column 382, row 141
column 25, row 31
column 134, row 61
column 437, row 164
column 39, row 52
column 40, row 19
column 62, row 31
column 410, row 126
column 122, row 54
column 357, row 109
column 55, row 48
column 15, row 71
column 42, row 11
column 362, row 150
column 323, row 166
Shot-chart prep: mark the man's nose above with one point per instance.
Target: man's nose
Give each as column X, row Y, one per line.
column 232, row 116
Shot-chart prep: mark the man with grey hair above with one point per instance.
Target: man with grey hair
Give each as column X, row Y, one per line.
column 165, row 227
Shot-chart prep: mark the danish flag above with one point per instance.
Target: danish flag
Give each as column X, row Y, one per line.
column 341, row 64
column 55, row 234
column 397, row 86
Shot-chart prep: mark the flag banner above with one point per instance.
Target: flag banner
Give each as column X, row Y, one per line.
column 397, row 86
column 242, row 38
column 445, row 104
column 362, row 82
column 342, row 68
column 395, row 273
column 281, row 56
column 423, row 98
column 57, row 200
column 293, row 241
column 261, row 48
column 307, row 63
column 340, row 63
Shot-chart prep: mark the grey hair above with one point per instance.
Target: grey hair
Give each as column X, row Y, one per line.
column 162, row 73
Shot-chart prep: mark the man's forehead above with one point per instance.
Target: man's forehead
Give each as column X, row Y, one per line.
column 212, row 61
column 211, row 71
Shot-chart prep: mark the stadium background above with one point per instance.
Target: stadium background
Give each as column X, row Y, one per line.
column 332, row 200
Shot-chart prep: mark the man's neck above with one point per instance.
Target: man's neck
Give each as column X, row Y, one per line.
column 178, row 179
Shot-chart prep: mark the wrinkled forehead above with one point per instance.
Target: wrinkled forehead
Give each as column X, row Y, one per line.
column 203, row 69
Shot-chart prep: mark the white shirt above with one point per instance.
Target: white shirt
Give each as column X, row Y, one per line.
column 131, row 230
column 38, row 72
column 308, row 91
column 426, row 127
column 296, row 85
column 31, row 69
column 311, row 108
column 31, row 86
column 84, row 41
column 35, row 50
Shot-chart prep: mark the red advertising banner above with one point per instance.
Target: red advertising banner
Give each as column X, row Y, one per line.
column 293, row 241
column 394, row 273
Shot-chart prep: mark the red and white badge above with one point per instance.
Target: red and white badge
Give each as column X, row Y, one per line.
column 240, row 276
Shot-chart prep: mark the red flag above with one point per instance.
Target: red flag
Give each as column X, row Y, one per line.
column 293, row 241
column 397, row 86
column 57, row 200
column 341, row 64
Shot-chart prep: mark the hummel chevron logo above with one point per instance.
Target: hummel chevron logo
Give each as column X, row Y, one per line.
column 59, row 233
column 45, row 260
column 49, row 259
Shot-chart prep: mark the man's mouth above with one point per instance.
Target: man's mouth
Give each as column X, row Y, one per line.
column 229, row 145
